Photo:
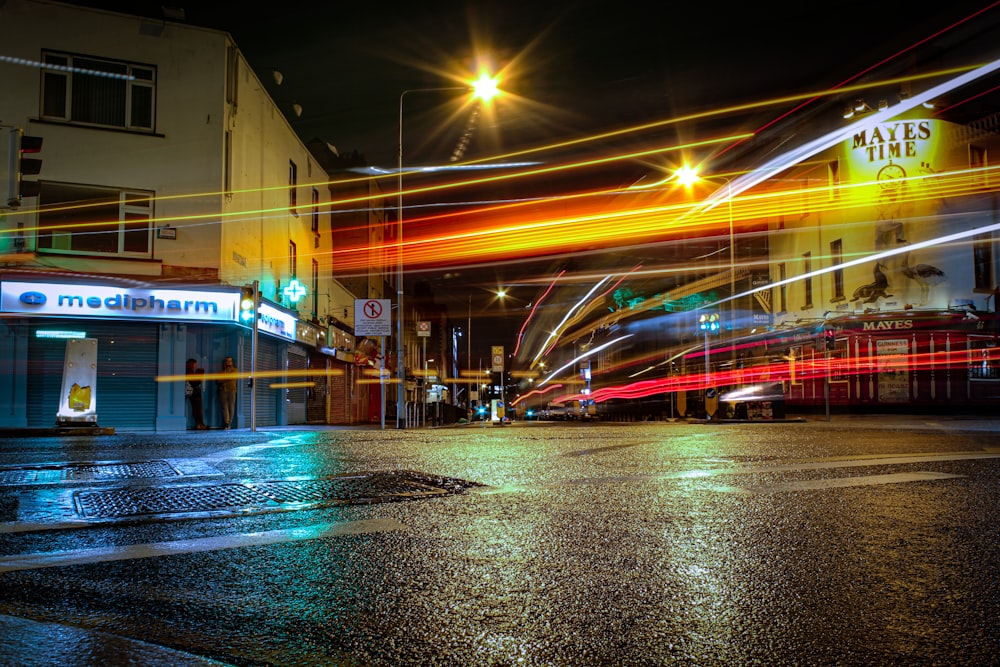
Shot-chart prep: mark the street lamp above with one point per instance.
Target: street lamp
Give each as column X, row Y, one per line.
column 484, row 88
column 688, row 175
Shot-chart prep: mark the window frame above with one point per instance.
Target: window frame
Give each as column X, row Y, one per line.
column 65, row 80
column 837, row 257
column 293, row 187
column 807, row 282
column 314, row 212
column 133, row 206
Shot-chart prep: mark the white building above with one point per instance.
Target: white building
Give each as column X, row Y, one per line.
column 166, row 165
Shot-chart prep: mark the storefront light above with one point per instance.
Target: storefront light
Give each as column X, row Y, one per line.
column 59, row 333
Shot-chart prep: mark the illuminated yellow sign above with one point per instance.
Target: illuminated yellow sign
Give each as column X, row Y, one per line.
column 887, row 152
column 893, row 140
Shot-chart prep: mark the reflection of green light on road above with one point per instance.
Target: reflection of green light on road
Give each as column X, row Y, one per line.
column 694, row 474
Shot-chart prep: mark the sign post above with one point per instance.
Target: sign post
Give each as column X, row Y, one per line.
column 496, row 354
column 424, row 332
column 373, row 317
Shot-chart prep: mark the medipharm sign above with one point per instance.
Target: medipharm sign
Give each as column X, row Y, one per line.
column 73, row 300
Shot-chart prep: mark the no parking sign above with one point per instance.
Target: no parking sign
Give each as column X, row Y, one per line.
column 372, row 317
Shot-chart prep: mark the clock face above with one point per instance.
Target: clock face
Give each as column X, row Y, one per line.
column 889, row 174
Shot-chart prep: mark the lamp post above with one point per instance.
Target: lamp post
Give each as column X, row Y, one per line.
column 688, row 176
column 484, row 89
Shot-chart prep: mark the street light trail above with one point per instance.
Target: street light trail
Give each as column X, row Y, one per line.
column 555, row 333
column 583, row 356
column 830, row 139
column 534, row 307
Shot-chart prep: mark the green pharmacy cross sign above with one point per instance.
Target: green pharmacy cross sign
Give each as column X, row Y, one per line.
column 294, row 291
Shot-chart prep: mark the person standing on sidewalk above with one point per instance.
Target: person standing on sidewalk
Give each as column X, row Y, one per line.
column 192, row 389
column 227, row 392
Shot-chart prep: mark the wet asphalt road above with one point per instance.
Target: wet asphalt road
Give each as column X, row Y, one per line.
column 854, row 542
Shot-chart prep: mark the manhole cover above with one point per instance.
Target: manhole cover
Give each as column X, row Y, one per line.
column 133, row 502
column 85, row 472
column 265, row 496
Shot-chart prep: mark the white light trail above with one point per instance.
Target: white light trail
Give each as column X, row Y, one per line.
column 556, row 332
column 796, row 155
column 584, row 356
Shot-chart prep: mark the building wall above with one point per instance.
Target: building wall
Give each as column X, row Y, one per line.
column 890, row 230
column 190, row 65
column 217, row 163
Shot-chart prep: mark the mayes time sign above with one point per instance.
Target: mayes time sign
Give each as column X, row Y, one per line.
column 886, row 152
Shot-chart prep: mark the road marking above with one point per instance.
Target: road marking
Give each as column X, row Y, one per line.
column 698, row 473
column 845, row 482
column 845, row 463
column 157, row 549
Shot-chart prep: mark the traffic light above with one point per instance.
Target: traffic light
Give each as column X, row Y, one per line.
column 18, row 145
column 248, row 305
column 709, row 322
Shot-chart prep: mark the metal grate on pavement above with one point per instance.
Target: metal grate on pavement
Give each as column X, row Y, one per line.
column 85, row 472
column 275, row 495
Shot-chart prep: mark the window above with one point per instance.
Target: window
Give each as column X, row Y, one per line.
column 782, row 289
column 807, row 282
column 837, row 256
column 97, row 91
column 833, row 176
column 315, row 289
column 982, row 263
column 293, row 187
column 977, row 161
column 293, row 259
column 315, row 211
column 83, row 219
column 984, row 359
column 227, row 183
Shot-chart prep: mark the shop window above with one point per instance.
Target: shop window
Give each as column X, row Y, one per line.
column 98, row 91
column 984, row 359
column 81, row 219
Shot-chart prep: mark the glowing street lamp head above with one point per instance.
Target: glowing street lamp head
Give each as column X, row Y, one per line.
column 485, row 87
column 687, row 175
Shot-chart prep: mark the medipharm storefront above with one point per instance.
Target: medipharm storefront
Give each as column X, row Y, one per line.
column 144, row 335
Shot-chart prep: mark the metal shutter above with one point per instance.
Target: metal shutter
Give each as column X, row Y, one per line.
column 127, row 367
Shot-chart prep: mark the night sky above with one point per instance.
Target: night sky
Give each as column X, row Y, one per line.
column 573, row 67
column 571, row 70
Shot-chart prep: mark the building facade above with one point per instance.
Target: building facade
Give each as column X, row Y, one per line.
column 169, row 176
column 887, row 249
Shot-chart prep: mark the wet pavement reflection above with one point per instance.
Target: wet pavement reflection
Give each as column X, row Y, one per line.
column 566, row 545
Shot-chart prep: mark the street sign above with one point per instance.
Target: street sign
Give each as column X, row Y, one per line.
column 497, row 354
column 423, row 329
column 372, row 317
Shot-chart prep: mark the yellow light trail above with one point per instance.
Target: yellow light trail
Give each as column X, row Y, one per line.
column 222, row 217
column 307, row 207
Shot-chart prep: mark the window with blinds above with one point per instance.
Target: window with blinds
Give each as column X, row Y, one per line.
column 97, row 91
